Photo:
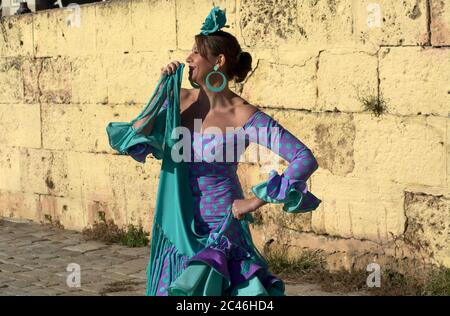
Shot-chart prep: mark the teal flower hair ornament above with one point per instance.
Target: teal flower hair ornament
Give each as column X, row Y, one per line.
column 215, row 20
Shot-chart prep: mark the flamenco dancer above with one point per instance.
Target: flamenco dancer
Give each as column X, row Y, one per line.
column 201, row 242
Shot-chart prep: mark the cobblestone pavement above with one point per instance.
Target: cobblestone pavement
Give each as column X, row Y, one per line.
column 35, row 260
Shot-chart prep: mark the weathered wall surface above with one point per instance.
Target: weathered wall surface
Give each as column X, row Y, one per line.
column 384, row 180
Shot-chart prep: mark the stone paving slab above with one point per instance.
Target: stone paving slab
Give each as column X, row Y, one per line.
column 34, row 260
column 87, row 246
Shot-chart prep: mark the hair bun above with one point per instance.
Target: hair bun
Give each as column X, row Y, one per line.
column 244, row 65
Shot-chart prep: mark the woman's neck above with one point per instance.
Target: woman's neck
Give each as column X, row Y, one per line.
column 219, row 101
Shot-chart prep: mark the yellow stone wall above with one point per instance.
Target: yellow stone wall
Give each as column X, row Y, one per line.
column 384, row 180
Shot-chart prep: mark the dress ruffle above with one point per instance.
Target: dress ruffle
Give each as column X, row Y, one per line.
column 227, row 267
column 293, row 193
column 200, row 279
column 139, row 152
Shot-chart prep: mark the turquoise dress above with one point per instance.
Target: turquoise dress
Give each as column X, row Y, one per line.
column 226, row 262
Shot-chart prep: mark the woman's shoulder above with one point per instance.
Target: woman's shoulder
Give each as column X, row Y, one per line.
column 244, row 108
column 248, row 113
column 252, row 116
column 186, row 93
column 187, row 97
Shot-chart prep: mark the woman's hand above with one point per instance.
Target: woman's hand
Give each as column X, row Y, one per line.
column 170, row 68
column 241, row 207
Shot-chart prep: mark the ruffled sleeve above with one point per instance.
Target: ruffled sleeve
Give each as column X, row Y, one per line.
column 290, row 188
column 152, row 143
column 140, row 152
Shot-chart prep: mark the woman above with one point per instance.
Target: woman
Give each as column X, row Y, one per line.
column 232, row 266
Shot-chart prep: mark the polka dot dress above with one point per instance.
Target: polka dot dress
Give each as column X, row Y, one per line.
column 215, row 185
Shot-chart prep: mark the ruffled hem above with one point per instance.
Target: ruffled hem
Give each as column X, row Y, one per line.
column 229, row 265
column 201, row 279
column 293, row 193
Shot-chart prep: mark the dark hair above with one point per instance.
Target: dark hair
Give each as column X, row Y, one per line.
column 237, row 63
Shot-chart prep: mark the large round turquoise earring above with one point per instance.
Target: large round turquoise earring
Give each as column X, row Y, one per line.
column 222, row 86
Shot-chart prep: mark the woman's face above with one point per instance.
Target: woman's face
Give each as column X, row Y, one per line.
column 199, row 66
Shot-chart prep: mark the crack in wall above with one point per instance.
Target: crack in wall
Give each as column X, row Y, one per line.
column 347, row 112
column 176, row 24
column 428, row 6
column 51, row 195
column 273, row 108
column 337, row 237
column 33, row 52
column 374, row 54
column 3, row 30
column 317, row 77
column 240, row 86
column 249, row 76
column 406, row 224
column 291, row 65
column 38, row 77
column 48, row 179
column 240, row 25
column 41, row 66
column 131, row 24
column 378, row 75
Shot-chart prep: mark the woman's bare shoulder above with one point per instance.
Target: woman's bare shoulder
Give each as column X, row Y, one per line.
column 246, row 110
column 185, row 93
column 187, row 97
